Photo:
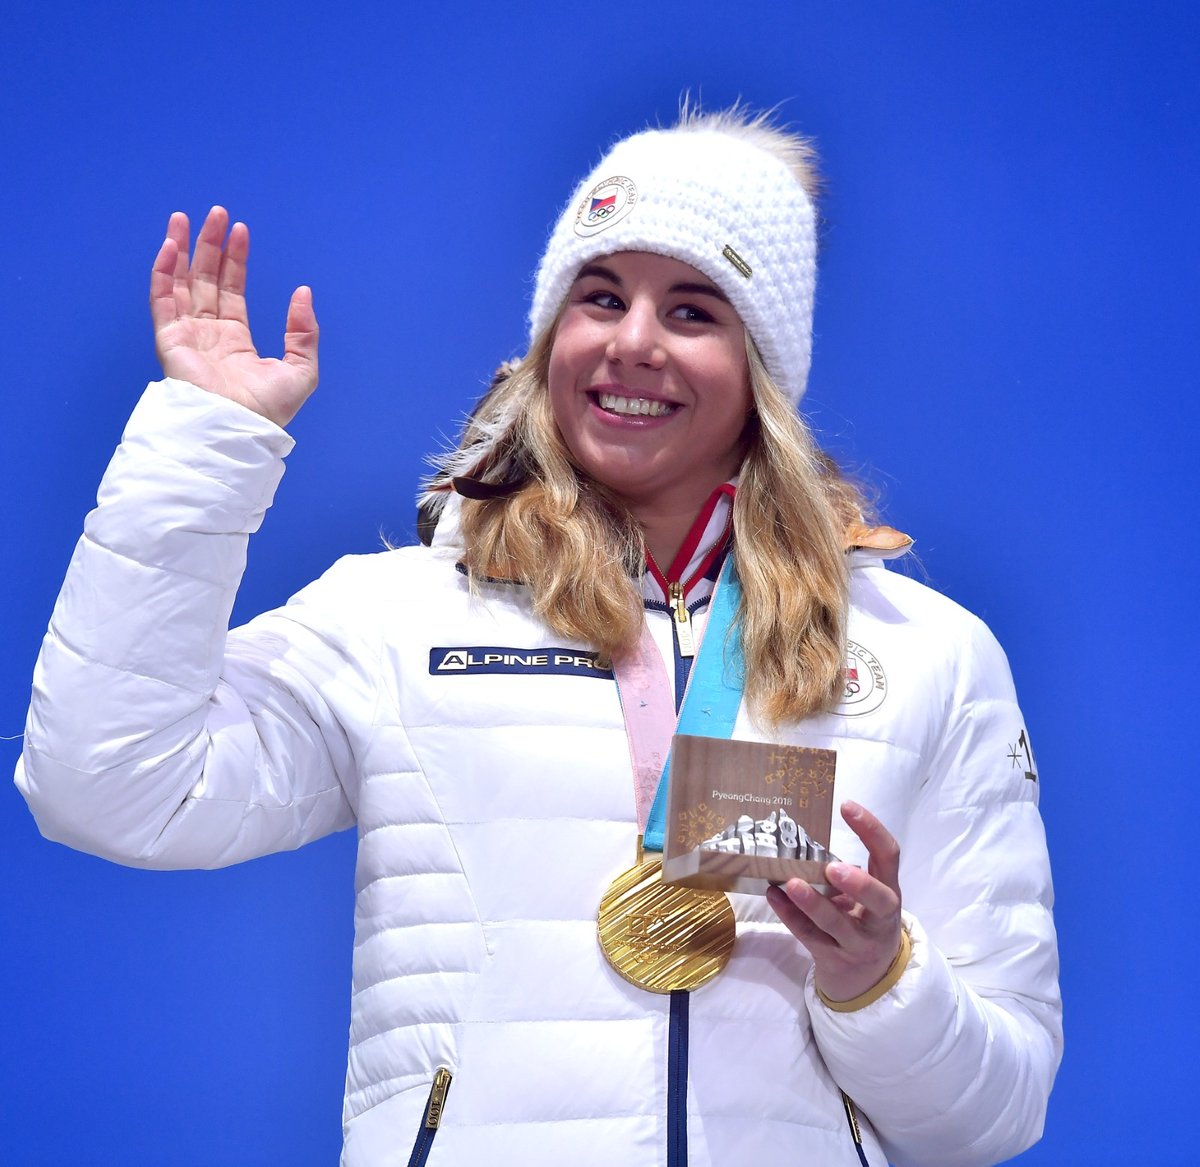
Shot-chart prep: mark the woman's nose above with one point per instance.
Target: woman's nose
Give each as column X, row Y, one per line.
column 637, row 337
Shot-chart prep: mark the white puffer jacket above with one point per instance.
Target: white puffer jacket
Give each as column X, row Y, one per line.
column 494, row 807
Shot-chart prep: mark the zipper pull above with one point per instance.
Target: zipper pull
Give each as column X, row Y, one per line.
column 852, row 1118
column 437, row 1097
column 683, row 621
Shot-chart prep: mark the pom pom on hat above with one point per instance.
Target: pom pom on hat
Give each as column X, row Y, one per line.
column 717, row 200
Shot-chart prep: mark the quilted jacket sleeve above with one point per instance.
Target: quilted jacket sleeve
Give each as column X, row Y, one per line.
column 954, row 1065
column 150, row 739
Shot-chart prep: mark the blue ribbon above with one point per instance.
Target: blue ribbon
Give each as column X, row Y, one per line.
column 714, row 692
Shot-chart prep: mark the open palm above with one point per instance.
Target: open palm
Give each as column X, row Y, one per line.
column 202, row 332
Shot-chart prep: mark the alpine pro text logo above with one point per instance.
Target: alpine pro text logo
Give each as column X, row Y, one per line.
column 476, row 659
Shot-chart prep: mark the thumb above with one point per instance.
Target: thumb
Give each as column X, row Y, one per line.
column 301, row 335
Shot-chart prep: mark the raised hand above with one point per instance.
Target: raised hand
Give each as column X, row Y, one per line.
column 854, row 935
column 202, row 333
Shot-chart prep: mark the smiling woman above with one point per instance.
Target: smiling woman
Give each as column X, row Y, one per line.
column 635, row 501
column 650, row 388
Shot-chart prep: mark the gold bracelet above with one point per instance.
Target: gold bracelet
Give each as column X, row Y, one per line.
column 895, row 971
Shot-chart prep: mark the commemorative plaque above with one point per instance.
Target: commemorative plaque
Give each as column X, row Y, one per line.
column 744, row 815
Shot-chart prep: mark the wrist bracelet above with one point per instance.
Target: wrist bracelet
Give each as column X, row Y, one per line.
column 895, row 971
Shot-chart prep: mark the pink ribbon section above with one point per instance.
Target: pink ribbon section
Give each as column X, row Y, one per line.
column 648, row 706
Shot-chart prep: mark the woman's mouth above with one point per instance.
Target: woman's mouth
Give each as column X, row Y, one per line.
column 632, row 406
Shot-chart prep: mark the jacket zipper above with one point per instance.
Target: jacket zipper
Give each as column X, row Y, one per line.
column 683, row 647
column 685, row 641
column 855, row 1129
column 682, row 662
column 433, row 1117
column 677, row 1079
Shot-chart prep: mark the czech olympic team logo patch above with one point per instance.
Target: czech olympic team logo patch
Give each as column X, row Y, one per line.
column 865, row 682
column 608, row 202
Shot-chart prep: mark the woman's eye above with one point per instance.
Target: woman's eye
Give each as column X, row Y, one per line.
column 692, row 314
column 603, row 299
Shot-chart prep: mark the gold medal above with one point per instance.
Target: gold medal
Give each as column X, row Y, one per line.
column 660, row 937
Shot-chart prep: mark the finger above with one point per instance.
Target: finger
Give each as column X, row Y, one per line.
column 815, row 921
column 842, row 923
column 844, row 903
column 300, row 339
column 795, row 920
column 163, row 309
column 861, row 890
column 231, row 281
column 178, row 230
column 882, row 849
column 206, row 263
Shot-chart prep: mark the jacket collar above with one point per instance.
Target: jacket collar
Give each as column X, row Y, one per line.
column 698, row 561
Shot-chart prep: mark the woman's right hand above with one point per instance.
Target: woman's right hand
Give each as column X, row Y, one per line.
column 201, row 330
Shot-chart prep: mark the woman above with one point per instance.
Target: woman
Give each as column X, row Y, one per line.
column 457, row 703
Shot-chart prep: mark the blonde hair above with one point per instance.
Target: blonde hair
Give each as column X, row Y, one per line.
column 577, row 548
column 564, row 535
column 790, row 515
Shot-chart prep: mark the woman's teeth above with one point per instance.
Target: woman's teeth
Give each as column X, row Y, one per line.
column 633, row 405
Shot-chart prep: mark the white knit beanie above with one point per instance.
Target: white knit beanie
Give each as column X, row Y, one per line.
column 713, row 199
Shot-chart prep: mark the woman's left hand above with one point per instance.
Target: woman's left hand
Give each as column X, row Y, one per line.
column 854, row 935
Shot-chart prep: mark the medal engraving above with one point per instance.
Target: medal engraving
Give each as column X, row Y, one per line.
column 664, row 938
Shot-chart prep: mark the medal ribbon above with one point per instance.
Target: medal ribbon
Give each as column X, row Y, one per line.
column 710, row 704
column 646, row 705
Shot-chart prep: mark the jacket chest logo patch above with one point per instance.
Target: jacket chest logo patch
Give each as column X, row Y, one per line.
column 473, row 660
column 866, row 683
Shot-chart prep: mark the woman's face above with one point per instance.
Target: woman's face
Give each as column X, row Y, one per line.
column 649, row 380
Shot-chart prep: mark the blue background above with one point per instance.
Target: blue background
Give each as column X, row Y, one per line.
column 1005, row 346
